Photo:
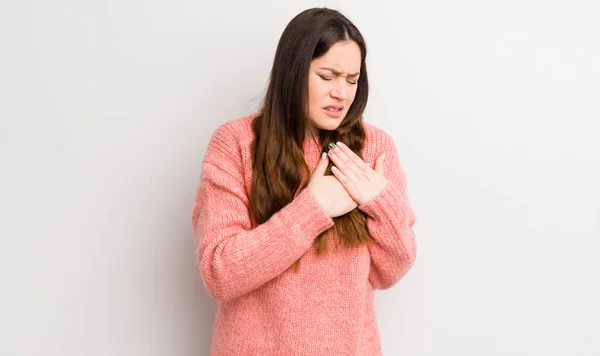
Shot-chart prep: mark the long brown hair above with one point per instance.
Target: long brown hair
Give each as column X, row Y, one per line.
column 279, row 168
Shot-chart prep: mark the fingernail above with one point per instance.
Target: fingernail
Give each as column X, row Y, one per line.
column 339, row 144
column 331, row 145
column 383, row 156
column 323, row 155
column 331, row 152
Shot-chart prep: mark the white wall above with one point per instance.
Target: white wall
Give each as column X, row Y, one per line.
column 107, row 107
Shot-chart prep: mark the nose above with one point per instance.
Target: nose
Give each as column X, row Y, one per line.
column 339, row 90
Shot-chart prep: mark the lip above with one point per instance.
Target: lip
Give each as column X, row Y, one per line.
column 335, row 114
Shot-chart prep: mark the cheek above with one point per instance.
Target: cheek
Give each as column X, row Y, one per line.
column 317, row 93
column 352, row 94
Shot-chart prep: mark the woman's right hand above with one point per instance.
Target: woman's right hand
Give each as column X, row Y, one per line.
column 330, row 193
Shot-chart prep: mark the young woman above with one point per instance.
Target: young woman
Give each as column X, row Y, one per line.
column 302, row 208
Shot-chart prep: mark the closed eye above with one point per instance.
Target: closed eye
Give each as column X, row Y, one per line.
column 328, row 79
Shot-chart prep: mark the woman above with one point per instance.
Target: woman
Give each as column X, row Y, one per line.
column 293, row 231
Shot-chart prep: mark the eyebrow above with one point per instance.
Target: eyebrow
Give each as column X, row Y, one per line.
column 338, row 73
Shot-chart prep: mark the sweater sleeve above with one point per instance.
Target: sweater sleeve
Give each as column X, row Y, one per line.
column 233, row 258
column 389, row 221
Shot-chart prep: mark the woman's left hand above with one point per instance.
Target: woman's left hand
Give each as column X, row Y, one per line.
column 361, row 181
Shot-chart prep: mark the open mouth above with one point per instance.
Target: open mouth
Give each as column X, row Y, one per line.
column 334, row 110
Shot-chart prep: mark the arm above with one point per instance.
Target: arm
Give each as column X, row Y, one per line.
column 233, row 258
column 389, row 221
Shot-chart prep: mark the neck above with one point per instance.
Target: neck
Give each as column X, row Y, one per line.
column 311, row 130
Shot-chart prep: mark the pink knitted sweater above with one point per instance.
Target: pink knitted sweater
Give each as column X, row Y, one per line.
column 264, row 307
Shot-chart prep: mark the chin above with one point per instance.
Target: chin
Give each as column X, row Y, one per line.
column 329, row 123
column 329, row 127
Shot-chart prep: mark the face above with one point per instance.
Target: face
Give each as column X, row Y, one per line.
column 332, row 83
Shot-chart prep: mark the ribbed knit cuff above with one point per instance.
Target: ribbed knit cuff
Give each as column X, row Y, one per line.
column 385, row 205
column 305, row 218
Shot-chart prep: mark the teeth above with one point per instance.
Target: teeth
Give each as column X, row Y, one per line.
column 332, row 109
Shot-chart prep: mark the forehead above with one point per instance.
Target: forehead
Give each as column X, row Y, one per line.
column 343, row 56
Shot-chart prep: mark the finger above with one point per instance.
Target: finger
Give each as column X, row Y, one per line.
column 353, row 157
column 379, row 164
column 342, row 178
column 344, row 163
column 322, row 165
column 336, row 157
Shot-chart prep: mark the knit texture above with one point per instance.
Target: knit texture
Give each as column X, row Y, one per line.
column 264, row 307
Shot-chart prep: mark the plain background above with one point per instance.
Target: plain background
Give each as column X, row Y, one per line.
column 107, row 108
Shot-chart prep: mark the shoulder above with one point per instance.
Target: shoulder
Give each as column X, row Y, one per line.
column 241, row 127
column 377, row 142
column 229, row 138
column 375, row 133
